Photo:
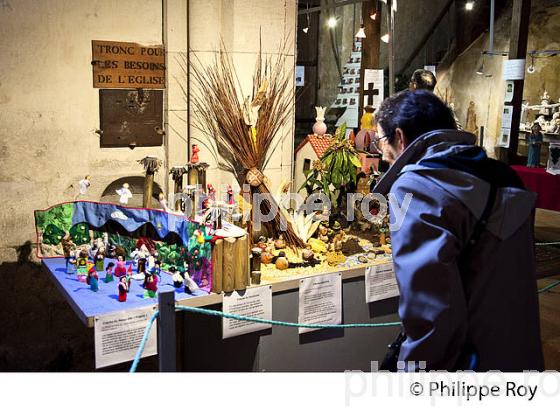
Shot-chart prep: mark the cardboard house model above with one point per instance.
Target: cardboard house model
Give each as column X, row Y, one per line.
column 310, row 149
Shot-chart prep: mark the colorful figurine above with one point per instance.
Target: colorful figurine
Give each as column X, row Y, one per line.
column 177, row 277
column 534, row 140
column 123, row 289
column 211, row 192
column 81, row 265
column 120, row 270
column 194, row 154
column 230, row 199
column 150, row 286
column 67, row 247
column 128, row 277
column 93, row 279
column 99, row 259
column 124, row 194
column 109, row 273
column 156, row 269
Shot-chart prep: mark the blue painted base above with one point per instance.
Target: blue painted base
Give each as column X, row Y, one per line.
column 89, row 304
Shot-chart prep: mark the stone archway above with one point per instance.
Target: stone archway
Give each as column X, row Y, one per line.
column 136, row 184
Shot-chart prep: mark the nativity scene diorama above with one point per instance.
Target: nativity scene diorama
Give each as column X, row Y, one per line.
column 204, row 239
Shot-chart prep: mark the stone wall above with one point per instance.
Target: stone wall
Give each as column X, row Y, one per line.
column 242, row 25
column 460, row 84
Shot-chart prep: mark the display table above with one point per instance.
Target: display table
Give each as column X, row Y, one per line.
column 546, row 185
column 201, row 347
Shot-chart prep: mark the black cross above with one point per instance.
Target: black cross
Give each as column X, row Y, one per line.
column 370, row 92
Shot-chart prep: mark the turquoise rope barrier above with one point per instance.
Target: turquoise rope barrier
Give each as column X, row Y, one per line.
column 548, row 287
column 280, row 323
column 143, row 342
column 248, row 319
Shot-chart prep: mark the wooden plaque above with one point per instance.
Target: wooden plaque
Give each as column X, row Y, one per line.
column 127, row 65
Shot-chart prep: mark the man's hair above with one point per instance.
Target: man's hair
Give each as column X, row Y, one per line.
column 423, row 80
column 416, row 113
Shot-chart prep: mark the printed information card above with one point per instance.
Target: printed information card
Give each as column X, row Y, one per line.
column 118, row 336
column 381, row 282
column 252, row 302
column 320, row 301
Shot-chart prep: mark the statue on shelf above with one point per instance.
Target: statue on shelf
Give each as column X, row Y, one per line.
column 471, row 127
column 194, row 154
column 534, row 141
column 545, row 100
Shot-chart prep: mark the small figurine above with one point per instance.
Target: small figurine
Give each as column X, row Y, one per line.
column 545, row 100
column 92, row 279
column 211, row 192
column 229, row 193
column 163, row 202
column 124, row 194
column 141, row 265
column 67, row 247
column 109, row 273
column 282, row 261
column 120, row 270
column 266, row 257
column 190, row 284
column 81, row 265
column 262, row 243
column 99, row 259
column 177, row 277
column 129, row 276
column 194, row 154
column 123, row 289
column 84, row 185
column 307, row 253
column 322, row 233
column 150, row 286
column 534, row 140
column 280, row 243
column 156, row 269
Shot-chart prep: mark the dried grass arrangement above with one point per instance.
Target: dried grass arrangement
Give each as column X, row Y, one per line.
column 244, row 127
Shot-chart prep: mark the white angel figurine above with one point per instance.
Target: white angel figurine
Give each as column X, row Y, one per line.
column 85, row 184
column 124, row 193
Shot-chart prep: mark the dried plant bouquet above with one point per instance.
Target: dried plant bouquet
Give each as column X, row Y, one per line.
column 244, row 128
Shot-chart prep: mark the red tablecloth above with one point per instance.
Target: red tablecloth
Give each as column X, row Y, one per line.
column 546, row 185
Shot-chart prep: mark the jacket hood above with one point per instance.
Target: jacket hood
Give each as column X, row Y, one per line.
column 512, row 206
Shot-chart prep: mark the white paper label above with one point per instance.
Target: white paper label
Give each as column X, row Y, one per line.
column 507, row 116
column 253, row 302
column 380, row 282
column 320, row 301
column 118, row 335
column 510, row 87
column 514, row 69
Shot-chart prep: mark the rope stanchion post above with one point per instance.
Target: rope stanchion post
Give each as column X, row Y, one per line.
column 167, row 342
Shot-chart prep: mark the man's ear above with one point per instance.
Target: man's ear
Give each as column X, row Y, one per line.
column 401, row 140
